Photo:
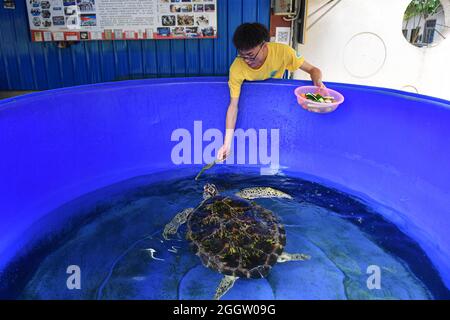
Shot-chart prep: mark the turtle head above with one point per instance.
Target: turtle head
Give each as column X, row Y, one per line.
column 209, row 191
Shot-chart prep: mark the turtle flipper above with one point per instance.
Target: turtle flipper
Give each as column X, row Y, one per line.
column 225, row 285
column 285, row 257
column 262, row 192
column 172, row 227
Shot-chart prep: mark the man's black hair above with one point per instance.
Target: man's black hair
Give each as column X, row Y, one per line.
column 249, row 35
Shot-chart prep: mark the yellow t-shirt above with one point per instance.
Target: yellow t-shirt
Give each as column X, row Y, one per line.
column 279, row 58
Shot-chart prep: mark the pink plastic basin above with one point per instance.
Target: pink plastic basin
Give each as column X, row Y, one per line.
column 318, row 107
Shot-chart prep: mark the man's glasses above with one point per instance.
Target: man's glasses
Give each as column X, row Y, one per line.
column 251, row 58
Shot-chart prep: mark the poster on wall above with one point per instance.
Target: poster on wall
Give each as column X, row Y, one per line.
column 82, row 20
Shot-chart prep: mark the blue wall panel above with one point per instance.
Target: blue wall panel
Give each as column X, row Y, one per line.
column 52, row 68
column 108, row 68
column 149, row 58
column 206, row 52
column 22, row 48
column 8, row 51
column 4, row 72
column 93, row 62
column 234, row 20
column 26, row 65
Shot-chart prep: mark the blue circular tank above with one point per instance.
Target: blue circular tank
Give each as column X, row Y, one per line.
column 385, row 145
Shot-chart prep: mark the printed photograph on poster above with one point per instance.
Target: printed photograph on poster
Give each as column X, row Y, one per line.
column 210, row 7
column 58, row 21
column 86, row 5
column 167, row 19
column 208, row 32
column 185, row 20
column 198, row 8
column 164, row 32
column 36, row 21
column 46, row 14
column 46, row 23
column 202, row 20
column 88, row 20
column 192, row 32
column 70, row 10
column 72, row 22
column 209, row 17
column 35, row 12
column 45, row 4
column 177, row 8
column 84, row 35
column 35, row 3
column 178, row 32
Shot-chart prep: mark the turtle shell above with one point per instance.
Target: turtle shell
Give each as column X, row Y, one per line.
column 236, row 237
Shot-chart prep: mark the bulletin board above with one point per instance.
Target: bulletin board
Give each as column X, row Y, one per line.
column 84, row 20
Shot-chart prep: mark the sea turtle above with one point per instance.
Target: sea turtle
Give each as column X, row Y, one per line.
column 234, row 236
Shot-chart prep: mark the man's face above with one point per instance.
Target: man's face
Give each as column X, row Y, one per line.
column 253, row 57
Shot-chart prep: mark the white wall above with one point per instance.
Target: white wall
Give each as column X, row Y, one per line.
column 361, row 42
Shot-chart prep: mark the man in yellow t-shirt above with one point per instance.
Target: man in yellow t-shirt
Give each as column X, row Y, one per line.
column 259, row 59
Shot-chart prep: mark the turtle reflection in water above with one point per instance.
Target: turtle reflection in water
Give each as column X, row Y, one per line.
column 235, row 236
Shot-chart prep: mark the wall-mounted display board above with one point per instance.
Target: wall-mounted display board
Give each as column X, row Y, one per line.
column 76, row 20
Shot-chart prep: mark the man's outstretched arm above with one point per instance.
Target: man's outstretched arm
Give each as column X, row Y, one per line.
column 314, row 73
column 232, row 112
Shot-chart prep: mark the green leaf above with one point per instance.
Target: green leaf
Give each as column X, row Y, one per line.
column 208, row 166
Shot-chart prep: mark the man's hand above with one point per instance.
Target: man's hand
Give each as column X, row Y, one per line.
column 319, row 83
column 223, row 153
column 232, row 112
column 322, row 88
